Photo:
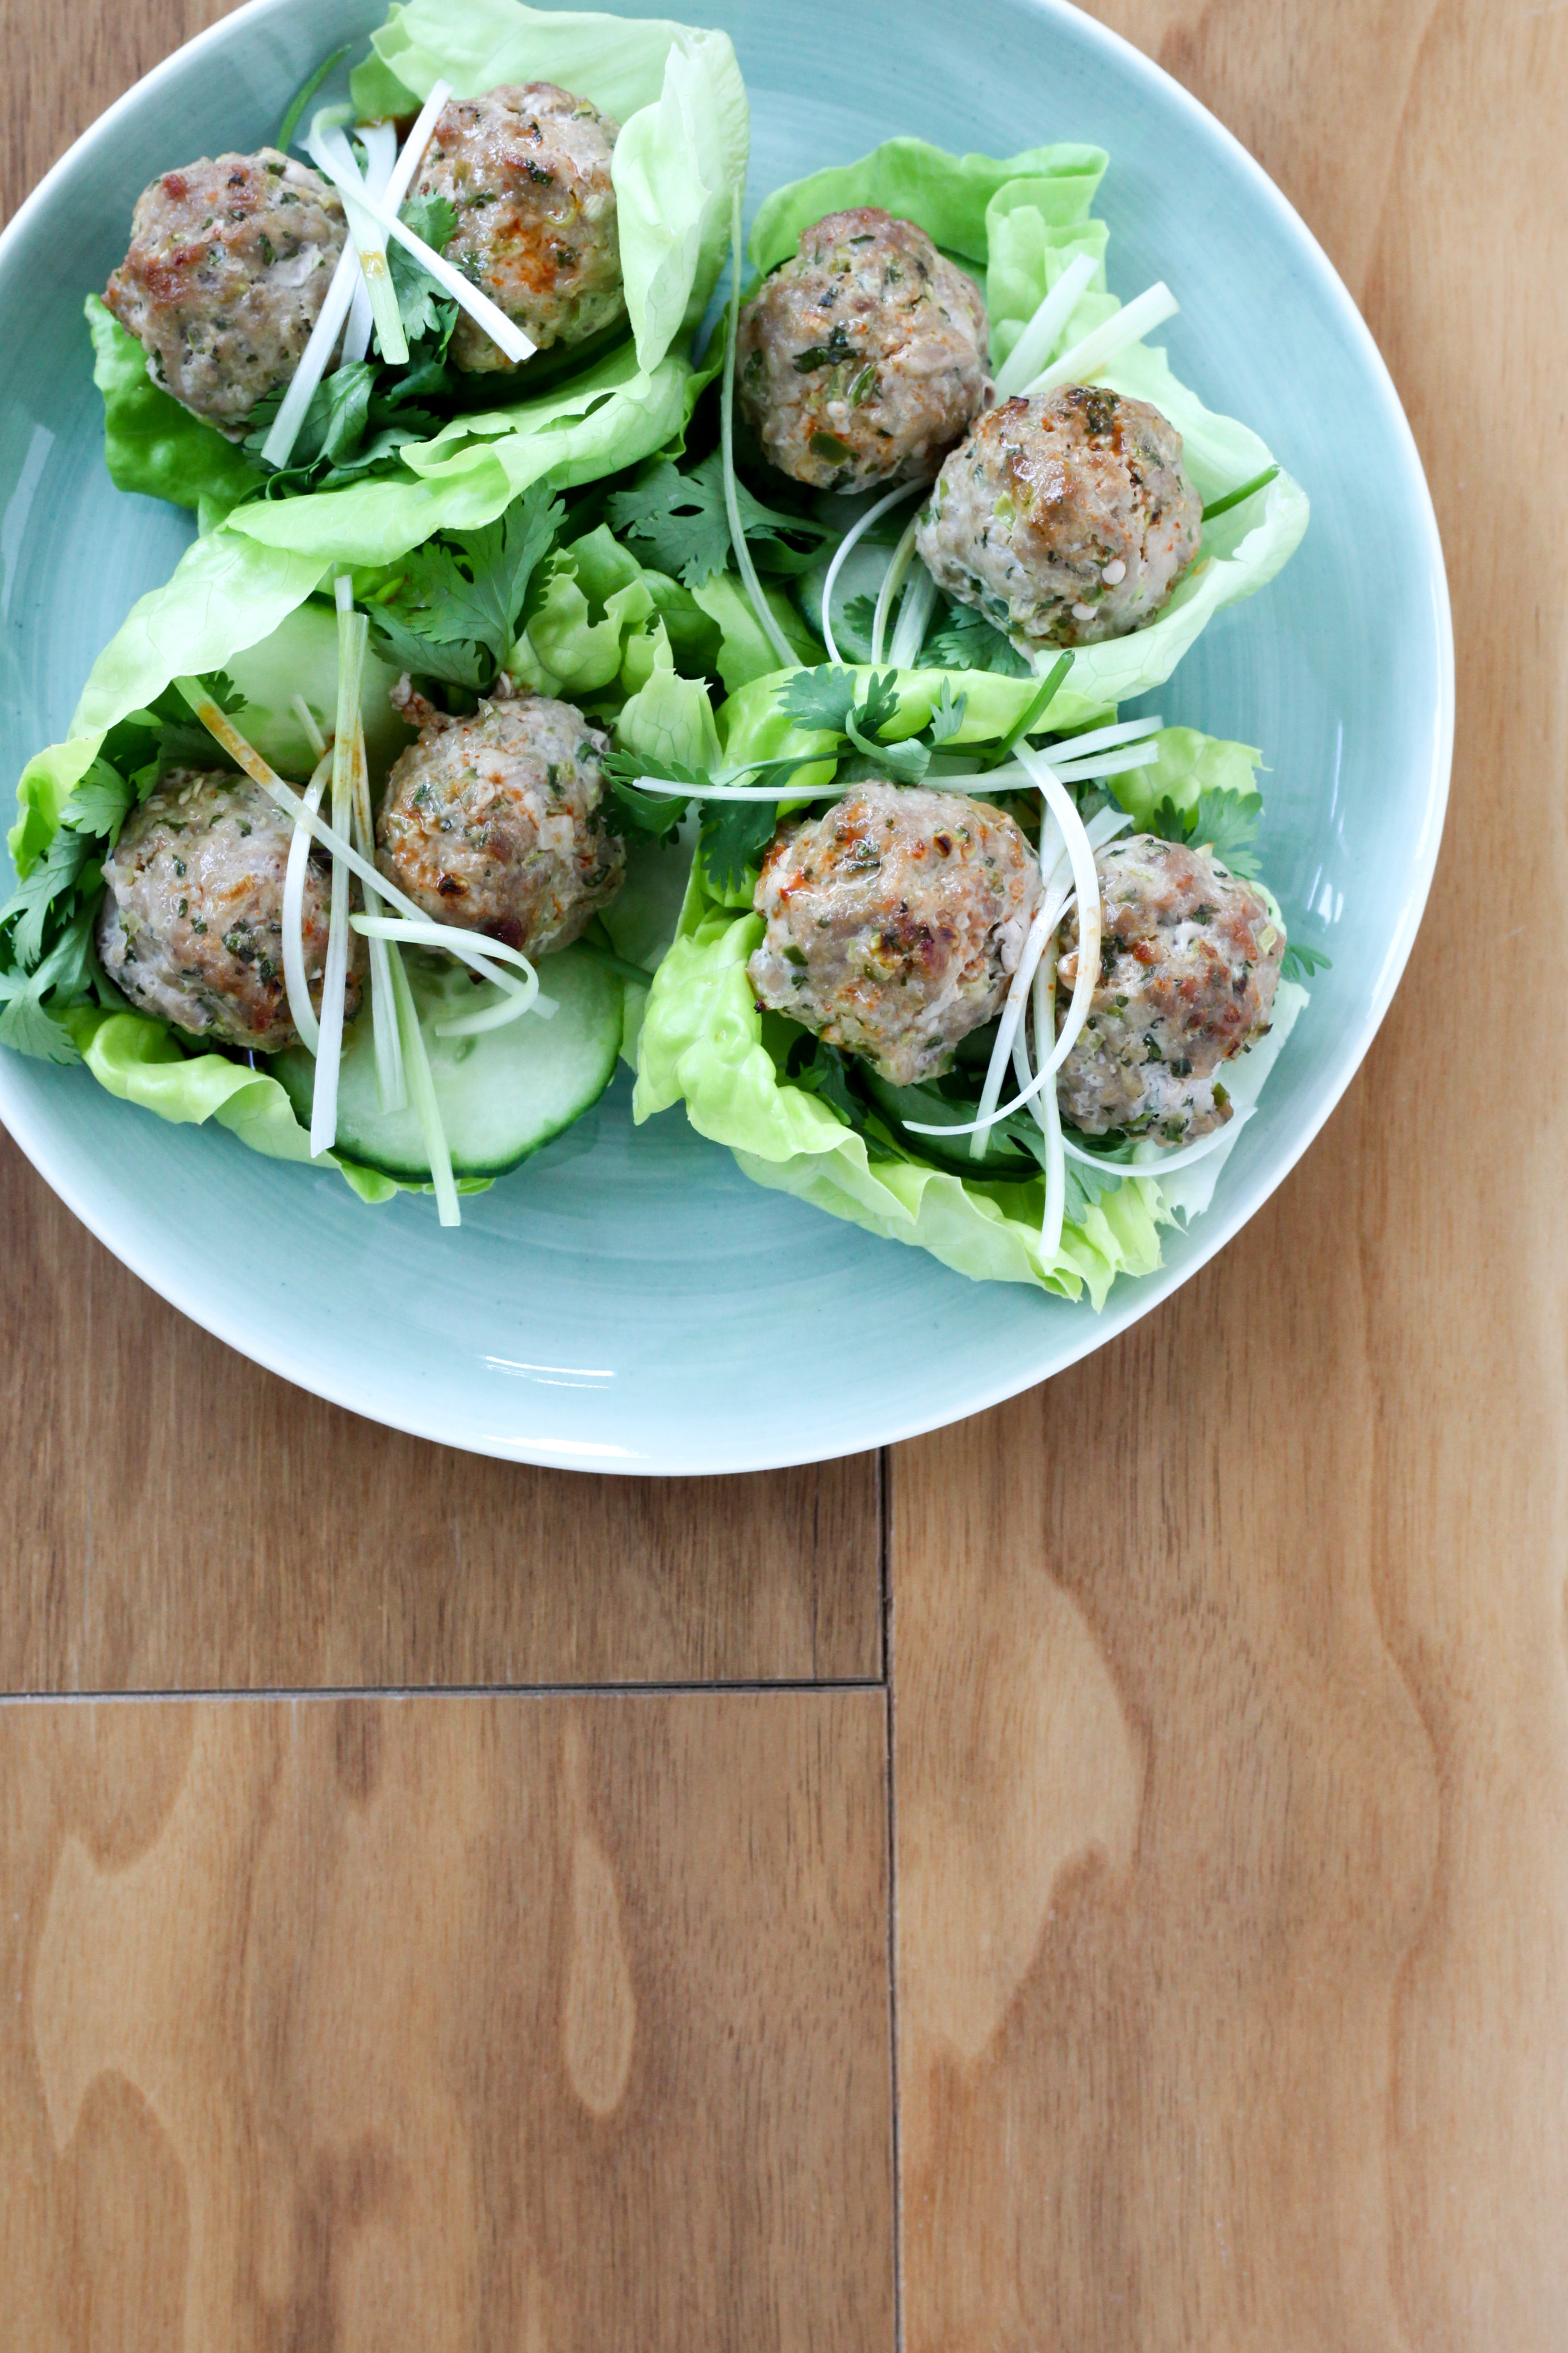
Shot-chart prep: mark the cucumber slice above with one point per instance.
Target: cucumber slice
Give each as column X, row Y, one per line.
column 502, row 1094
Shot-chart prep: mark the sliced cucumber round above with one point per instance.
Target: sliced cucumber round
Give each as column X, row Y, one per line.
column 501, row 1094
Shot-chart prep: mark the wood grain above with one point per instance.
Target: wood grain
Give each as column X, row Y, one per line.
column 1232, row 1719
column 166, row 1529
column 163, row 1529
column 535, row 2024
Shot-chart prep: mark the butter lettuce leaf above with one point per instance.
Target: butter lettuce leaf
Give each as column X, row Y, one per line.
column 152, row 444
column 1015, row 225
column 704, row 1043
column 675, row 92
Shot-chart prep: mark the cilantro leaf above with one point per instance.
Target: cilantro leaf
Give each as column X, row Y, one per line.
column 53, row 877
column 733, row 837
column 1301, row 962
column 683, row 520
column 947, row 718
column 1225, row 823
column 428, row 310
column 462, row 597
column 424, row 655
column 966, row 640
column 821, row 697
column 99, row 802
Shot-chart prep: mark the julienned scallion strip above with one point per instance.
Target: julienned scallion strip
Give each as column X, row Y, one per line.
column 302, row 97
column 353, row 629
column 417, row 1062
column 788, row 658
column 422, row 1089
column 1050, row 686
column 1233, row 498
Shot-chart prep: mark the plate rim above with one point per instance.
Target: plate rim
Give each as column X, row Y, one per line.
column 33, row 1132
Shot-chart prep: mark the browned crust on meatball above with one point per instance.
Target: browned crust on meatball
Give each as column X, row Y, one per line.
column 1189, row 964
column 229, row 263
column 492, row 822
column 527, row 171
column 1068, row 519
column 894, row 923
column 864, row 358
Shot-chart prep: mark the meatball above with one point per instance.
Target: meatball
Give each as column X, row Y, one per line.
column 191, row 927
column 894, row 923
column 492, row 822
column 863, row 359
column 230, row 264
column 1189, row 961
column 1066, row 520
column 526, row 169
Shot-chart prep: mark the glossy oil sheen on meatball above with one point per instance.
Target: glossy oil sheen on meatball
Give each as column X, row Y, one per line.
column 863, row 359
column 230, row 261
column 1189, row 963
column 191, row 927
column 894, row 923
column 526, row 169
column 1066, row 519
column 493, row 822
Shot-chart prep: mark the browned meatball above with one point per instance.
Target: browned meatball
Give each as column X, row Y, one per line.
column 863, row 359
column 894, row 923
column 1066, row 519
column 526, row 168
column 1188, row 965
column 492, row 822
column 191, row 926
column 230, row 264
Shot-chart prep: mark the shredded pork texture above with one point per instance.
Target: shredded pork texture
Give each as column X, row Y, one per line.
column 863, row 359
column 191, row 927
column 895, row 922
column 1066, row 520
column 526, row 170
column 493, row 822
column 1189, row 962
column 230, row 264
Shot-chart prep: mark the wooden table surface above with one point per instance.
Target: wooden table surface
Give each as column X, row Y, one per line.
column 1097, row 1879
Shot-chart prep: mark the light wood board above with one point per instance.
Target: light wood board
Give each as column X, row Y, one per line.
column 1229, row 1804
column 1232, row 1719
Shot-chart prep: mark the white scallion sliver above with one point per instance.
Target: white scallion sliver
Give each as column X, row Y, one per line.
column 1093, row 352
column 307, row 719
column 296, row 983
column 767, row 619
column 1107, row 764
column 380, row 144
column 317, row 357
column 391, row 1086
column 519, row 998
column 1034, row 347
column 353, row 631
column 245, row 755
column 914, row 618
column 892, row 581
column 507, row 336
column 851, row 539
column 1103, row 739
column 392, row 187
column 422, row 1091
column 329, row 151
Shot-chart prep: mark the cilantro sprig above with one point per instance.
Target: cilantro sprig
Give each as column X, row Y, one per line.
column 1225, row 823
column 679, row 518
column 454, row 612
column 48, row 957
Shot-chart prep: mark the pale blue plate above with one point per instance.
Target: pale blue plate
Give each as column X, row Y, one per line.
column 628, row 1301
